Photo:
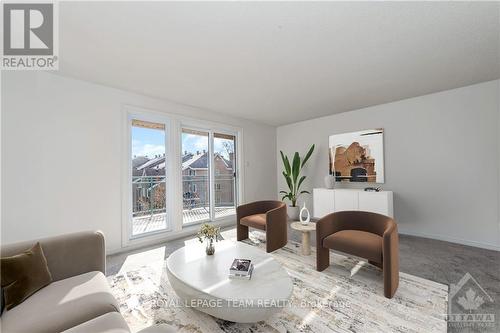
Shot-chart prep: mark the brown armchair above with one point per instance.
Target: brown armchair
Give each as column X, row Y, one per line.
column 264, row 215
column 368, row 235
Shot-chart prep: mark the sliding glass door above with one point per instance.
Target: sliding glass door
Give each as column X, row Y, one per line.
column 224, row 175
column 148, row 177
column 209, row 184
column 195, row 176
column 176, row 172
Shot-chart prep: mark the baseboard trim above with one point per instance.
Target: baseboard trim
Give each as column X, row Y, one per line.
column 452, row 240
column 192, row 231
column 169, row 236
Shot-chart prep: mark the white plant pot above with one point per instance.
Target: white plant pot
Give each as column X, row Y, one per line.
column 293, row 213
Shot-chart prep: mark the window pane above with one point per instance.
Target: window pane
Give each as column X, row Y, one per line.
column 148, row 177
column 195, row 176
column 224, row 174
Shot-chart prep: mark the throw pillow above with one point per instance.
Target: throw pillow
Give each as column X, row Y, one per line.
column 23, row 274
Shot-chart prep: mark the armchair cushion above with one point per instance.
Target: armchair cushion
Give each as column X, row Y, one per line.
column 359, row 243
column 255, row 221
column 265, row 215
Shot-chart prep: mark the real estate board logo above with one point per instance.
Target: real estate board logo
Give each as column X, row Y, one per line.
column 29, row 36
column 465, row 303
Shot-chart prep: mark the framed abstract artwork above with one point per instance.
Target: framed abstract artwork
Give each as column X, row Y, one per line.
column 357, row 156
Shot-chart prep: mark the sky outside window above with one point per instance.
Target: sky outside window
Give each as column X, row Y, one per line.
column 147, row 142
column 150, row 142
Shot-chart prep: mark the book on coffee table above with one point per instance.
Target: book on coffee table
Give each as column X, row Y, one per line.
column 243, row 276
column 240, row 266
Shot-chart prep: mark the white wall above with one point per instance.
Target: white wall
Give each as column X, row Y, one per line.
column 61, row 155
column 441, row 160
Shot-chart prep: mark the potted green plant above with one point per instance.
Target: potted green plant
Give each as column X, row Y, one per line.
column 294, row 180
column 209, row 233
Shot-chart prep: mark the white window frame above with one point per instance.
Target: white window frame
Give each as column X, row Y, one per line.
column 127, row 231
column 211, row 128
column 175, row 123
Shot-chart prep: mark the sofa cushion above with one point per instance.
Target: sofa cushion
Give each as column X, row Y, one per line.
column 62, row 305
column 255, row 221
column 23, row 274
column 111, row 322
column 359, row 243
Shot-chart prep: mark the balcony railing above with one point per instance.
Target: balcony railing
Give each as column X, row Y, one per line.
column 149, row 200
column 196, row 191
column 148, row 195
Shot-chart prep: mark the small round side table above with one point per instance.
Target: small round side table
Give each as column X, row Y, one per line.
column 306, row 235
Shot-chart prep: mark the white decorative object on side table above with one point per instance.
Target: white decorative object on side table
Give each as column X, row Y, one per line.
column 304, row 221
column 306, row 236
column 203, row 281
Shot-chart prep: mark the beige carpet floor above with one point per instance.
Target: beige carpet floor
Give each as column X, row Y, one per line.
column 346, row 297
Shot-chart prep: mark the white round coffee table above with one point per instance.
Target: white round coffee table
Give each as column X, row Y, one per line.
column 306, row 236
column 202, row 282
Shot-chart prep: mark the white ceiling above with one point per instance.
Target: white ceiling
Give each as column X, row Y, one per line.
column 279, row 63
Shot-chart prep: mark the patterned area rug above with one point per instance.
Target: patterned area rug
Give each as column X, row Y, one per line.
column 346, row 297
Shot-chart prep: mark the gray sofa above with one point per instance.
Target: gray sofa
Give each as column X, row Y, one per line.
column 79, row 298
